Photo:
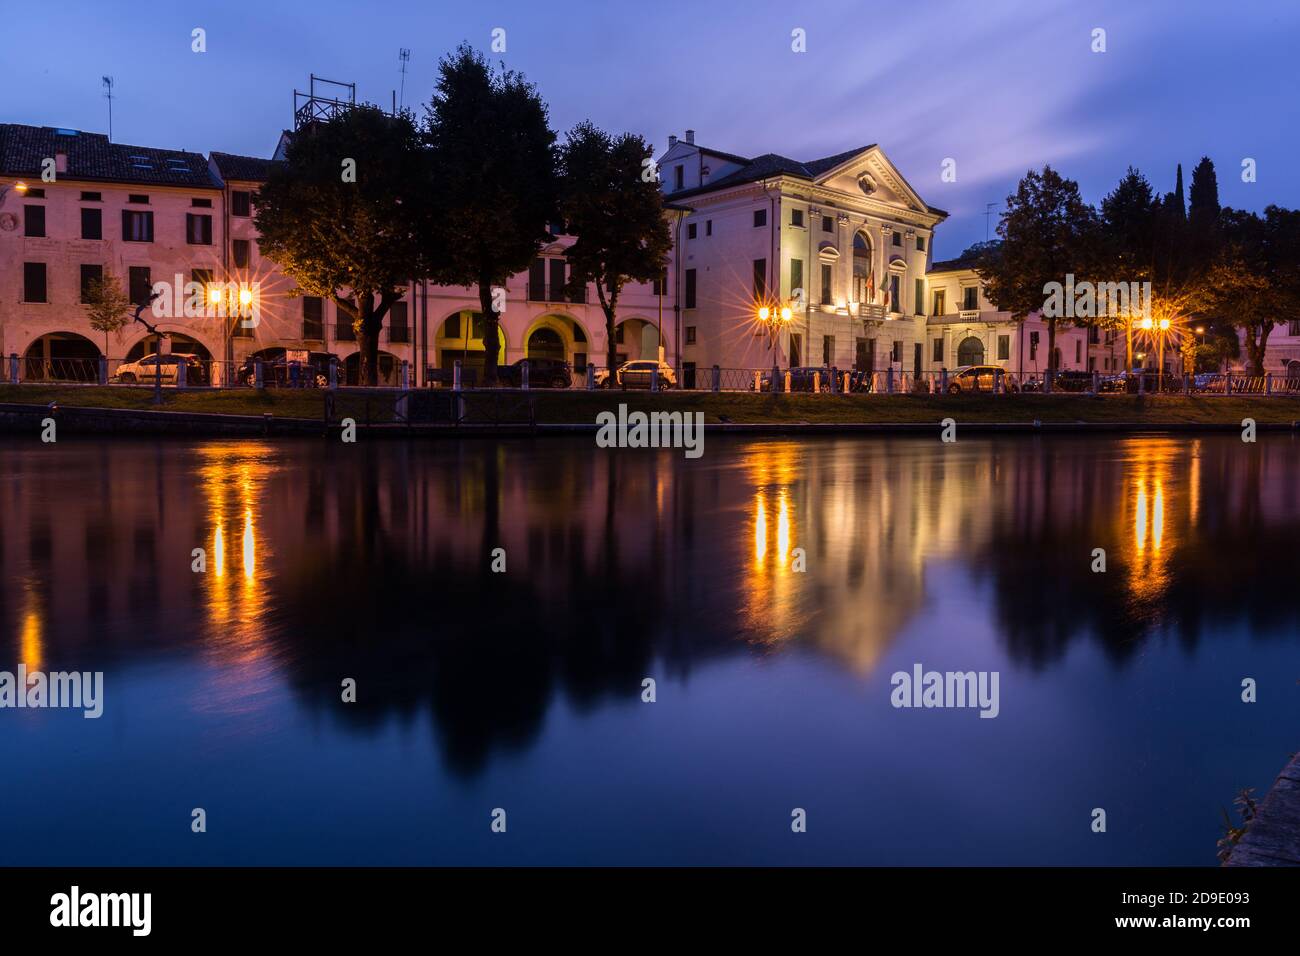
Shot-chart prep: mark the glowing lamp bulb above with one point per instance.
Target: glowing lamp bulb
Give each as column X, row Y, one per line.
column 785, row 314
column 764, row 313
column 1146, row 324
column 1164, row 325
column 245, row 296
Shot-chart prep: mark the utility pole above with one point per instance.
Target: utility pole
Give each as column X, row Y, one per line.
column 107, row 83
column 988, row 214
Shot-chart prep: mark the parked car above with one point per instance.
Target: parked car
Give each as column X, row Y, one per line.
column 979, row 378
column 1066, row 380
column 145, row 371
column 636, row 374
column 278, row 371
column 542, row 373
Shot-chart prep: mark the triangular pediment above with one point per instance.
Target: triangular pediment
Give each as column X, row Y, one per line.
column 870, row 174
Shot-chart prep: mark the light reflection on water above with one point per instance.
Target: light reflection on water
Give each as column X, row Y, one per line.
column 374, row 563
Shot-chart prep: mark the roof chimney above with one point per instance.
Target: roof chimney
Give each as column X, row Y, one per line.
column 690, row 136
column 672, row 140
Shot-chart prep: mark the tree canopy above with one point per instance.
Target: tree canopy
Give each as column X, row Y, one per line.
column 346, row 217
column 492, row 170
column 613, row 205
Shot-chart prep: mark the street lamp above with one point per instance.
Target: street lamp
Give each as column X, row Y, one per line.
column 1163, row 326
column 775, row 319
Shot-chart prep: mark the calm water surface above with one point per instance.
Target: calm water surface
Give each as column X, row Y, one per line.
column 523, row 690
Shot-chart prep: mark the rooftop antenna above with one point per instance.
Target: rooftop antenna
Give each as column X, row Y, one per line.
column 988, row 212
column 107, row 83
column 404, row 56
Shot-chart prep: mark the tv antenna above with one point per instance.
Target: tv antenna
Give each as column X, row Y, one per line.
column 988, row 213
column 404, row 56
column 107, row 83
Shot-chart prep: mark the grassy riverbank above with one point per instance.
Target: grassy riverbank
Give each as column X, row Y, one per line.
column 578, row 407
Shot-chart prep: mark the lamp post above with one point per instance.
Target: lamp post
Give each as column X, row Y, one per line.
column 775, row 319
column 1163, row 326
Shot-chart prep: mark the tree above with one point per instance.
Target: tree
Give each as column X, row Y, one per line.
column 1203, row 215
column 346, row 217
column 616, row 211
column 108, row 307
column 1047, row 232
column 493, row 166
column 1254, row 282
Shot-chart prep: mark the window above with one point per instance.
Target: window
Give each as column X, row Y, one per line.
column 239, row 252
column 1094, row 335
column 760, row 279
column 35, row 193
column 618, row 335
column 34, row 282
column 1004, row 348
column 828, row 224
column 895, row 303
column 34, row 221
column 708, row 227
column 204, row 278
column 198, row 229
column 201, row 203
column 92, row 224
column 690, row 289
column 760, row 217
column 796, row 217
column 690, row 335
column 896, row 238
column 690, row 230
column 828, row 349
column 1033, row 346
column 343, row 331
column 660, row 286
column 970, row 298
column 920, row 297
column 140, row 286
column 1078, row 352
column 91, row 197
column 398, row 330
column 920, row 243
column 796, row 279
column 938, row 351
column 89, row 274
column 939, row 304
column 313, row 318
column 826, row 283
column 241, row 203
column 138, row 199
column 137, row 226
column 1293, row 327
column 896, row 355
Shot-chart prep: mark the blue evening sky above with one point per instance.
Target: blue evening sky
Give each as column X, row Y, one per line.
column 997, row 85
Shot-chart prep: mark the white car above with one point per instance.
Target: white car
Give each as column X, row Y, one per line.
column 636, row 374
column 144, row 371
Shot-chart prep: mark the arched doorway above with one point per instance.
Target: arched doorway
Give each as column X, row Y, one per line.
column 864, row 283
column 545, row 343
column 460, row 336
column 636, row 339
column 389, row 369
column 970, row 351
column 61, row 357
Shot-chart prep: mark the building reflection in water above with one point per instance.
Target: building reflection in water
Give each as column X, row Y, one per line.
column 375, row 561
